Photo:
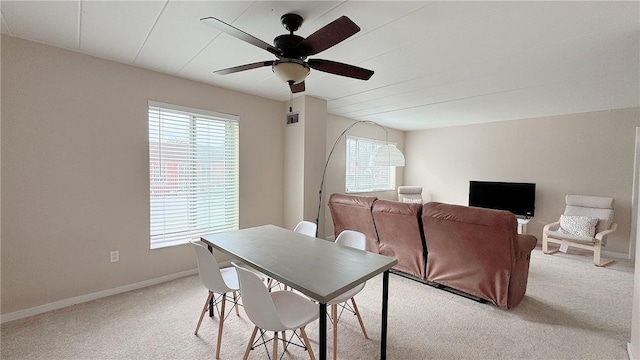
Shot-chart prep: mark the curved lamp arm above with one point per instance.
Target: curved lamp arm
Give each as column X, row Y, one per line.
column 326, row 164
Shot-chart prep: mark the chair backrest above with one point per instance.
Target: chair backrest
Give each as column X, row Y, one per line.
column 307, row 228
column 351, row 238
column 591, row 206
column 410, row 194
column 209, row 270
column 257, row 301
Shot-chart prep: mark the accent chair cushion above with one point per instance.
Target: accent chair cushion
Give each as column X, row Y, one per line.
column 581, row 226
column 591, row 206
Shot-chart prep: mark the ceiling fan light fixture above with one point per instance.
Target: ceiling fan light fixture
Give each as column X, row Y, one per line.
column 291, row 72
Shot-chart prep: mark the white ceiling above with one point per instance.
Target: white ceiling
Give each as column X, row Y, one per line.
column 436, row 64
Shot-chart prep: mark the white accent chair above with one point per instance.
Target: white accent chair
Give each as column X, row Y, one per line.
column 585, row 224
column 410, row 194
column 307, row 228
column 276, row 311
column 356, row 240
column 217, row 281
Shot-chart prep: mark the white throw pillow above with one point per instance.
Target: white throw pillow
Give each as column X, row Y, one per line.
column 578, row 225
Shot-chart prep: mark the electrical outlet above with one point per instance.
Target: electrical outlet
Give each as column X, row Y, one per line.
column 114, row 256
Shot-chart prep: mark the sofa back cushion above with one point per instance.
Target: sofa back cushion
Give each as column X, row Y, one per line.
column 399, row 227
column 351, row 212
column 471, row 249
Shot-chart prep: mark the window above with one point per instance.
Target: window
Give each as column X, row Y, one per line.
column 193, row 173
column 362, row 175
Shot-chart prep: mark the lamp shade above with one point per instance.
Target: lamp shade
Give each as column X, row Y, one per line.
column 387, row 155
column 290, row 72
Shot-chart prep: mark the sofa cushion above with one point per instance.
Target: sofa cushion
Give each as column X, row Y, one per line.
column 350, row 212
column 399, row 227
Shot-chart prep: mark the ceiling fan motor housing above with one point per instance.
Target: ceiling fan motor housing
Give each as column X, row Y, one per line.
column 288, row 43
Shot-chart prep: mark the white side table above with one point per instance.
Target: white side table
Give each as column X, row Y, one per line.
column 522, row 225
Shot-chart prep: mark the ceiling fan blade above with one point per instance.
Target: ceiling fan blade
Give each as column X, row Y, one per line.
column 236, row 69
column 237, row 33
column 337, row 68
column 328, row 36
column 296, row 88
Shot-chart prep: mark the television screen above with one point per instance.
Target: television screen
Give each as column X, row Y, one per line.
column 519, row 198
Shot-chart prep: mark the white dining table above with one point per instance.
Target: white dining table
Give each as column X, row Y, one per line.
column 318, row 268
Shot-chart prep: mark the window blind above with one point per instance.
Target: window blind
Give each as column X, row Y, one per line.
column 193, row 174
column 361, row 174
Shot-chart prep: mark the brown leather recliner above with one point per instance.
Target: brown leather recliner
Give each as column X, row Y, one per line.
column 399, row 227
column 477, row 251
column 351, row 212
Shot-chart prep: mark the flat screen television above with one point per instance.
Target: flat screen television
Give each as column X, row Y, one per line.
column 519, row 198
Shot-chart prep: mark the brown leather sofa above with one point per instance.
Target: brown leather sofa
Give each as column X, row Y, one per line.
column 478, row 251
column 471, row 250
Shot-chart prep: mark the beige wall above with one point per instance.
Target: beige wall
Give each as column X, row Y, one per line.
column 294, row 166
column 335, row 179
column 303, row 161
column 75, row 180
column 315, row 125
column 589, row 153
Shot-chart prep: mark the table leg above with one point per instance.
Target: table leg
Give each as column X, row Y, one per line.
column 323, row 331
column 385, row 304
column 214, row 295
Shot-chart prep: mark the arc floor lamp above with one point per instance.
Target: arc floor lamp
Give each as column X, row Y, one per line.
column 383, row 155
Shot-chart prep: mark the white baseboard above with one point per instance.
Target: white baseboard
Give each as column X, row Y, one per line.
column 616, row 255
column 93, row 296
column 630, row 351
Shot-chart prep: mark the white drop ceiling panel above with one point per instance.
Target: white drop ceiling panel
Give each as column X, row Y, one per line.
column 436, row 63
column 117, row 30
column 49, row 22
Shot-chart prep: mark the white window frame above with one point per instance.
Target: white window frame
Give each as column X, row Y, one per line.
column 356, row 179
column 193, row 173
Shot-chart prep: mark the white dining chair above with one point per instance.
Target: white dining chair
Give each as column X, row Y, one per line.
column 217, row 281
column 276, row 311
column 307, row 228
column 356, row 240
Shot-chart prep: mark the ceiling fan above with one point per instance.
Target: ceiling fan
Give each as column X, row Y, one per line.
column 292, row 50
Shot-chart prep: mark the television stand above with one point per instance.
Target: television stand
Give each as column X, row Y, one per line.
column 522, row 225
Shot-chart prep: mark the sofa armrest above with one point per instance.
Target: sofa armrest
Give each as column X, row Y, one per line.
column 526, row 244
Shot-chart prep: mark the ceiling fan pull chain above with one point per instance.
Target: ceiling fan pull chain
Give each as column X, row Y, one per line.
column 290, row 101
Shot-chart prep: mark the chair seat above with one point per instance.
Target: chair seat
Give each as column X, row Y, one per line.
column 293, row 310
column 347, row 295
column 559, row 235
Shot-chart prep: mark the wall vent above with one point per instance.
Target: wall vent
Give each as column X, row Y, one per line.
column 292, row 118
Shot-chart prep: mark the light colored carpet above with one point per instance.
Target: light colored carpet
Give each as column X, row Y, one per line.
column 572, row 310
